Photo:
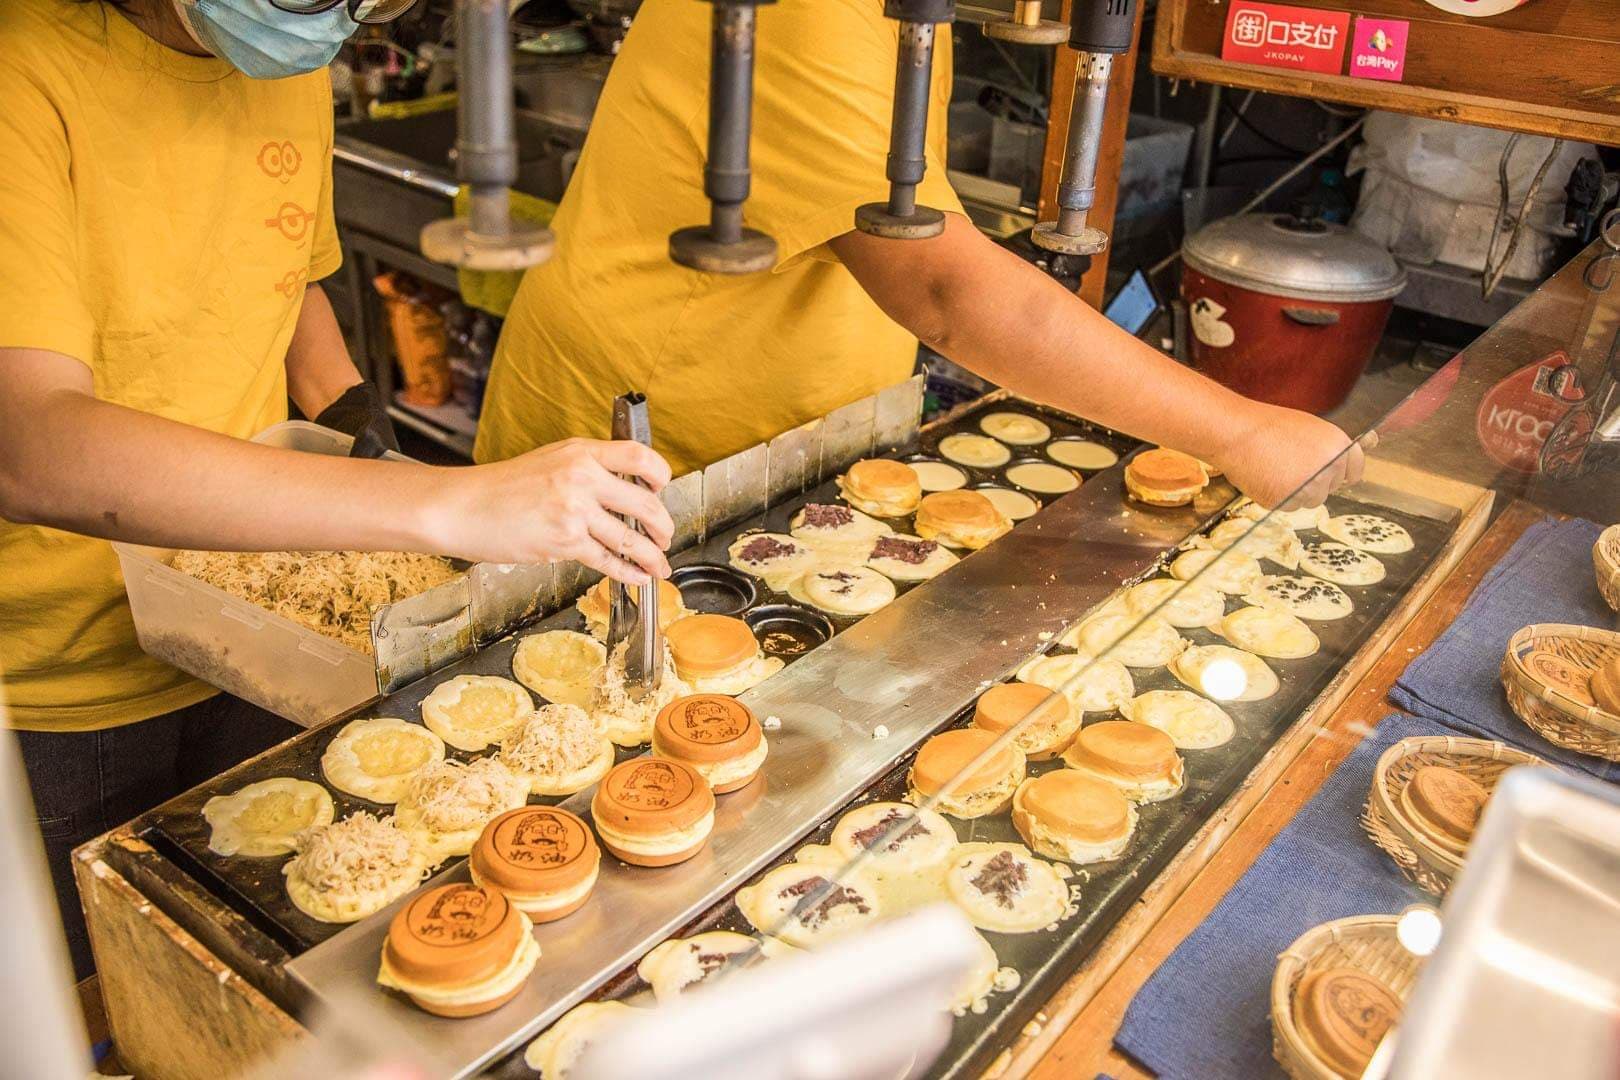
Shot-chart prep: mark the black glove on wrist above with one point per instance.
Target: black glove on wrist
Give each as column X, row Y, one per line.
column 359, row 412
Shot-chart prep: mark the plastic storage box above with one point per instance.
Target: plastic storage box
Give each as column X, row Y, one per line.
column 240, row 647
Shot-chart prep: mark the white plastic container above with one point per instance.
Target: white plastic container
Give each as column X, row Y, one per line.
column 240, row 647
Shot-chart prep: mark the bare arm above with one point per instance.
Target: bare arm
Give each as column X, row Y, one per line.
column 318, row 364
column 73, row 462
column 1002, row 318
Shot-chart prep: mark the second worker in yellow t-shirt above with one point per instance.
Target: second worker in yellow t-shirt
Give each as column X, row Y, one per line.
column 729, row 362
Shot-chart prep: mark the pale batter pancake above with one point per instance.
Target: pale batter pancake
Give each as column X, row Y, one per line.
column 938, row 476
column 1012, row 505
column 895, row 838
column 1341, row 564
column 1267, row 632
column 1041, row 478
column 685, row 964
column 352, row 868
column 376, row 758
column 837, row 532
column 909, row 558
column 471, row 712
column 1263, row 539
column 1224, row 673
column 558, row 750
column 1192, row 722
column 1092, row 684
column 562, row 666
column 448, row 804
column 1005, row 888
column 1306, row 597
column 777, row 558
column 265, row 818
column 555, row 1053
column 1298, row 520
column 1367, row 532
column 806, row 905
column 974, row 451
column 1147, row 642
column 979, row 982
column 844, row 590
column 629, row 722
column 1182, row 604
column 1227, row 571
column 1082, row 454
column 1016, row 428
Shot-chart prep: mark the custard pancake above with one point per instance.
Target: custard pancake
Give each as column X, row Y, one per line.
column 471, row 712
column 717, row 736
column 974, row 451
column 1341, row 564
column 352, row 868
column 1304, row 597
column 777, row 558
column 1019, row 429
column 882, row 487
column 458, row 950
column 1069, row 816
column 1367, row 532
column 376, row 758
column 447, row 804
column 653, row 811
column 596, row 604
column 629, row 722
column 1192, row 722
column 541, row 858
column 265, row 818
column 1226, row 571
column 558, row 1049
column 1093, row 684
column 807, row 905
column 562, row 666
column 1224, row 673
column 909, row 558
column 558, row 750
column 844, row 589
column 1139, row 760
column 1145, row 642
column 1268, row 632
column 962, row 519
column 1182, row 604
column 1004, row 888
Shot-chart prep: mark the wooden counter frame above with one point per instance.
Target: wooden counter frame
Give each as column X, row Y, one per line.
column 188, row 984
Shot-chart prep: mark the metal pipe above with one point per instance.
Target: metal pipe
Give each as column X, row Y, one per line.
column 1027, row 12
column 914, row 66
column 731, row 104
column 486, row 139
column 1078, row 189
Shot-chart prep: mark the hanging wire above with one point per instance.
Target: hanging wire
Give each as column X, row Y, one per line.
column 1494, row 271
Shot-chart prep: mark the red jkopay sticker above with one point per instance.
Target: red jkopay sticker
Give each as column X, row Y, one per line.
column 1277, row 35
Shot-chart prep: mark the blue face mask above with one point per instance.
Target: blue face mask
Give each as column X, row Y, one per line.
column 264, row 42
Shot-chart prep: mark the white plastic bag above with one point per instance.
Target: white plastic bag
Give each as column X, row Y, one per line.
column 1431, row 192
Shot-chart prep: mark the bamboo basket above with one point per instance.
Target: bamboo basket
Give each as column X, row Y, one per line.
column 1551, row 713
column 1606, row 561
column 1364, row 942
column 1426, row 863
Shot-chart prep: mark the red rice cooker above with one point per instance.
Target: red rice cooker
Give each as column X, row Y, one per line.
column 1284, row 309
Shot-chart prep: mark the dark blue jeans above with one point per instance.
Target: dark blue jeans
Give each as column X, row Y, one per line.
column 87, row 782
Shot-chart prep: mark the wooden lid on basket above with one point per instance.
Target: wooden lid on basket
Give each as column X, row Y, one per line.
column 1563, row 675
column 1445, row 804
column 1342, row 1015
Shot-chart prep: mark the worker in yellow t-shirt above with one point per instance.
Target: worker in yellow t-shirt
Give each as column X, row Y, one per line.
column 165, row 217
column 729, row 362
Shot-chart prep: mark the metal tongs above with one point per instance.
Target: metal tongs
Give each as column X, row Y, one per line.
column 636, row 622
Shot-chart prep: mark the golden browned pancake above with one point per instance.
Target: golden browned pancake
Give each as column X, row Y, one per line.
column 1342, row 1015
column 964, row 519
column 1164, row 477
column 881, row 487
column 1445, row 805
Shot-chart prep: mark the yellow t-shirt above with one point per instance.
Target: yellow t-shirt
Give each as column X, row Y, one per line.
column 727, row 362
column 160, row 215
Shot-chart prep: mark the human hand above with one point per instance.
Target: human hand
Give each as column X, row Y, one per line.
column 1287, row 460
column 558, row 502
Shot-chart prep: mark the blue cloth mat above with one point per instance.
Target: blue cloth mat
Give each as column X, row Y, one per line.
column 1544, row 578
column 1206, row 1013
